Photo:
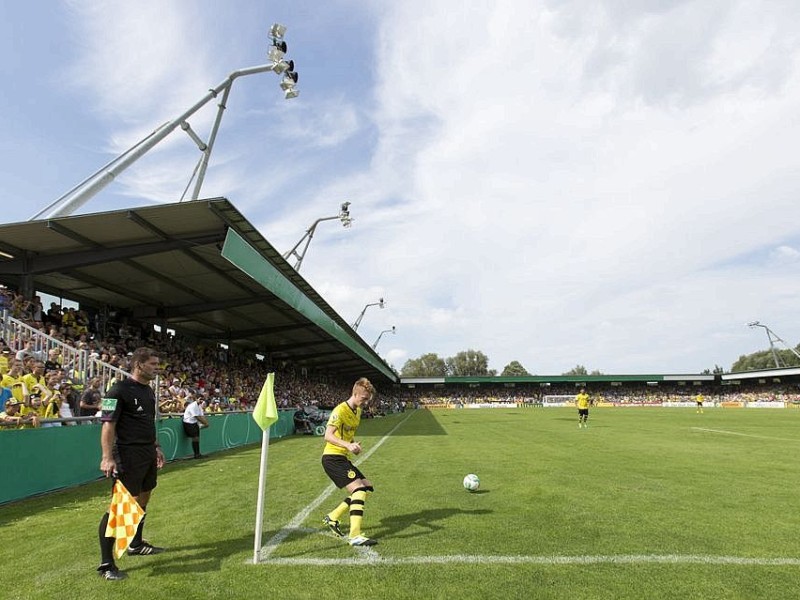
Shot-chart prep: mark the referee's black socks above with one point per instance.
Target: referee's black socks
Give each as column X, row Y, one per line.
column 106, row 543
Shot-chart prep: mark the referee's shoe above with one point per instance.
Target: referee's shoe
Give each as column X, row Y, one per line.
column 144, row 549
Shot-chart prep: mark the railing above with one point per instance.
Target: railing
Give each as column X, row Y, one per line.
column 73, row 360
column 78, row 364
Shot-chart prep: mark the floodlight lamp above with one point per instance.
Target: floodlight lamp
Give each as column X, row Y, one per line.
column 282, row 66
column 274, row 54
column 380, row 303
column 277, row 51
column 291, row 93
column 344, row 216
column 277, row 31
column 288, row 82
column 393, row 330
column 754, row 324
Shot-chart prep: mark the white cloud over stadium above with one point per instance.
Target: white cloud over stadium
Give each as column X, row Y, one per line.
column 613, row 184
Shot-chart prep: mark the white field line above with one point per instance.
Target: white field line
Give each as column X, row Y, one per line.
column 750, row 435
column 624, row 559
column 300, row 517
column 368, row 555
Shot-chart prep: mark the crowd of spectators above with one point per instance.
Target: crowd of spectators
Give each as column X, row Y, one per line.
column 639, row 393
column 37, row 387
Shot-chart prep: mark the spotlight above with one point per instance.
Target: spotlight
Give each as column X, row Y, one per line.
column 292, row 93
column 277, row 31
column 289, row 80
column 276, row 51
column 347, row 220
column 283, row 65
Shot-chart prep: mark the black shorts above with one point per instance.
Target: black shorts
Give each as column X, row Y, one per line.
column 191, row 429
column 583, row 412
column 341, row 471
column 136, row 467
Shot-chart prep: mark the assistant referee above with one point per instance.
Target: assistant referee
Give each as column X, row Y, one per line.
column 130, row 450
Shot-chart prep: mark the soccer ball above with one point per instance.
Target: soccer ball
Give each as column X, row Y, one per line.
column 471, row 482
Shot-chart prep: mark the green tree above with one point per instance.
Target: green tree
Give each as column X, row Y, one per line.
column 468, row 363
column 514, row 369
column 577, row 370
column 427, row 365
column 765, row 360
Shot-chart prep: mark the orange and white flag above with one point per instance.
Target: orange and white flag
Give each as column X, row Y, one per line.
column 124, row 516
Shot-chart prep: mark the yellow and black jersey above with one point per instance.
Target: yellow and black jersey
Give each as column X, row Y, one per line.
column 582, row 400
column 346, row 420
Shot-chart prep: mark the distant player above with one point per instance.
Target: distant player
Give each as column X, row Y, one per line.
column 699, row 399
column 339, row 443
column 582, row 402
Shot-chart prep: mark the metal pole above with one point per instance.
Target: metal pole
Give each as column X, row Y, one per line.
column 91, row 186
column 773, row 337
column 309, row 234
column 207, row 150
column 361, row 316
column 375, row 345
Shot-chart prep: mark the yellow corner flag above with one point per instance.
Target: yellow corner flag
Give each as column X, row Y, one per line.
column 266, row 412
column 124, row 516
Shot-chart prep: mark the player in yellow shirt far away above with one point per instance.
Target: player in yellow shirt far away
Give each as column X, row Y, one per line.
column 582, row 402
column 339, row 443
column 699, row 399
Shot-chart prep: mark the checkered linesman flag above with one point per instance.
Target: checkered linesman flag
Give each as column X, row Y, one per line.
column 124, row 516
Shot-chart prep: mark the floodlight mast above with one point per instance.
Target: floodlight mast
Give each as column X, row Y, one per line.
column 299, row 255
column 773, row 337
column 92, row 185
column 392, row 331
column 379, row 303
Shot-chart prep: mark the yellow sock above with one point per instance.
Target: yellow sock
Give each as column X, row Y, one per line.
column 336, row 513
column 357, row 511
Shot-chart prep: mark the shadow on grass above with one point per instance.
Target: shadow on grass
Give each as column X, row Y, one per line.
column 419, row 422
column 190, row 559
column 423, row 522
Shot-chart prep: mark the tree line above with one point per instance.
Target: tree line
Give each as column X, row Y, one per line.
column 474, row 363
column 469, row 363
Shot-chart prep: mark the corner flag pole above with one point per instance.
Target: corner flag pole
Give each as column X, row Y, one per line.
column 262, row 484
column 265, row 414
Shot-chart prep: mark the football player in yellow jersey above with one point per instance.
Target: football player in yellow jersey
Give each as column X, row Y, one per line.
column 582, row 402
column 340, row 434
column 699, row 399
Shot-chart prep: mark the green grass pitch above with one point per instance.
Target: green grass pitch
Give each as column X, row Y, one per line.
column 645, row 503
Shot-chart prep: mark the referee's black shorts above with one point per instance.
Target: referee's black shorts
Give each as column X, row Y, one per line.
column 341, row 471
column 192, row 430
column 136, row 467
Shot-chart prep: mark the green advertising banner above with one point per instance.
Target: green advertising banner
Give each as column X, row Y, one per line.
column 50, row 458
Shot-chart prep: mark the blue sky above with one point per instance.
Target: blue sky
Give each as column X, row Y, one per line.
column 613, row 184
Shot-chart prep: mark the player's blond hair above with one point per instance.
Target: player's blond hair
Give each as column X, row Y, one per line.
column 365, row 385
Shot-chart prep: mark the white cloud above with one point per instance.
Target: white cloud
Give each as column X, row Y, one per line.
column 562, row 212
column 784, row 255
column 330, row 124
column 550, row 182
